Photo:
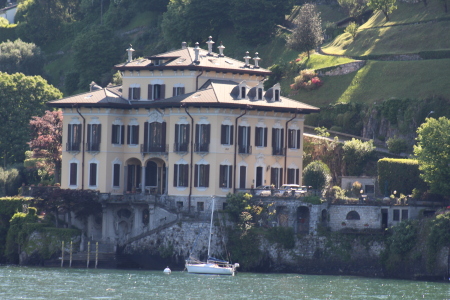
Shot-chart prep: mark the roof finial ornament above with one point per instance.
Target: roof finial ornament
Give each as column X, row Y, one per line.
column 247, row 58
column 196, row 51
column 130, row 53
column 210, row 45
column 221, row 47
column 256, row 59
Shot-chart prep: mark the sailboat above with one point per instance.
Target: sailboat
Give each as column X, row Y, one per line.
column 212, row 265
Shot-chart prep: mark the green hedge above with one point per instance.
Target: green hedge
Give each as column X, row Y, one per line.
column 435, row 54
column 401, row 175
column 8, row 33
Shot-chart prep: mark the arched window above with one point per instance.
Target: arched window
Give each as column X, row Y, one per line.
column 353, row 215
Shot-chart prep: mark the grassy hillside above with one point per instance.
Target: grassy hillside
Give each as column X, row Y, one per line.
column 411, row 28
column 378, row 81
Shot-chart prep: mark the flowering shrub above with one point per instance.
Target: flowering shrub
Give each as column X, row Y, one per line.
column 307, row 80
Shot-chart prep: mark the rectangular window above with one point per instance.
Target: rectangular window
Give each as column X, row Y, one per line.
column 370, row 189
column 134, row 93
column 118, row 134
column 181, row 175
column 133, row 134
column 74, row 137
column 200, row 206
column 396, row 216
column 260, row 93
column 201, row 178
column 293, row 176
column 156, row 91
column 180, row 204
column 182, row 132
column 94, row 133
column 202, row 137
column 404, row 214
column 116, row 175
column 178, row 91
column 244, row 133
column 92, row 174
column 293, row 139
column 261, row 137
column 225, row 176
column 277, row 141
column 276, row 177
column 73, row 174
column 226, row 134
column 155, row 137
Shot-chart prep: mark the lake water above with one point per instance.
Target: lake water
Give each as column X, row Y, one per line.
column 47, row 283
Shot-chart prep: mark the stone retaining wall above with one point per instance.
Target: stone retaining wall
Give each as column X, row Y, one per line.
column 344, row 68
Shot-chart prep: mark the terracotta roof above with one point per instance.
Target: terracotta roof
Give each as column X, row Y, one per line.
column 184, row 59
column 214, row 93
column 110, row 96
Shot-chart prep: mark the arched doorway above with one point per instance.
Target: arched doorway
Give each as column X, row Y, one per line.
column 155, row 176
column 303, row 219
column 133, row 172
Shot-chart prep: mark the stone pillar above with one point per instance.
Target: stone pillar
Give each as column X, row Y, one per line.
column 105, row 223
column 137, row 220
column 151, row 216
column 143, row 180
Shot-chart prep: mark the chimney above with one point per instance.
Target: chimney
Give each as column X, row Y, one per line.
column 247, row 58
column 221, row 47
column 183, row 45
column 130, row 53
column 210, row 45
column 256, row 59
column 197, row 51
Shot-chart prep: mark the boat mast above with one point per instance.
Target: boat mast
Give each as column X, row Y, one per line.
column 210, row 226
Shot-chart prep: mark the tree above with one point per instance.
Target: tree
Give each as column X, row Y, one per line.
column 433, row 153
column 264, row 16
column 21, row 97
column 317, row 175
column 46, row 140
column 41, row 21
column 386, row 6
column 3, row 21
column 94, row 51
column 356, row 154
column 353, row 8
column 352, row 29
column 19, row 56
column 308, row 34
column 194, row 20
column 444, row 4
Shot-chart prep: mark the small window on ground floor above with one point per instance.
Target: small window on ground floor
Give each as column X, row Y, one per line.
column 396, row 216
column 200, row 206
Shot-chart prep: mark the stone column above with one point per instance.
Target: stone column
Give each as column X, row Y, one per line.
column 143, row 180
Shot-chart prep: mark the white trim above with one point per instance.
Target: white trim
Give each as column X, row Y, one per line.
column 181, row 162
column 75, row 120
column 134, row 85
column 182, row 121
column 203, row 121
column 225, row 163
column 202, row 162
column 156, row 81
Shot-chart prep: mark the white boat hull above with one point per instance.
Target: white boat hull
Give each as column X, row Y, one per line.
column 210, row 269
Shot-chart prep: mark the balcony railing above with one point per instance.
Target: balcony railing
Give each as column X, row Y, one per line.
column 92, row 147
column 278, row 150
column 181, row 147
column 73, row 147
column 145, row 148
column 201, row 147
column 244, row 149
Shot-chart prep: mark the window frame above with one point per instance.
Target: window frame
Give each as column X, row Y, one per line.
column 181, row 175
column 226, row 176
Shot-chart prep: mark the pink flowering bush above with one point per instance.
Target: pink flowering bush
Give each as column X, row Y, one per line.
column 307, row 80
